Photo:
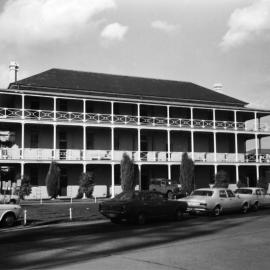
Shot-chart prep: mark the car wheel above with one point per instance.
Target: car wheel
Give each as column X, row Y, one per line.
column 169, row 195
column 244, row 208
column 216, row 211
column 178, row 215
column 255, row 207
column 9, row 220
column 141, row 220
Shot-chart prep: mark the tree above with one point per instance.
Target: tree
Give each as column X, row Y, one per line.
column 86, row 184
column 53, row 180
column 221, row 179
column 263, row 183
column 187, row 174
column 25, row 189
column 127, row 173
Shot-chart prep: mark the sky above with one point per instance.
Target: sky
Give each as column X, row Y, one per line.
column 201, row 41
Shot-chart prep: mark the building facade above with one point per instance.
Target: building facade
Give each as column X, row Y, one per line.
column 86, row 121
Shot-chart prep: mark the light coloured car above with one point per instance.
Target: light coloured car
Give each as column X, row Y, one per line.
column 257, row 197
column 215, row 201
column 9, row 214
column 164, row 186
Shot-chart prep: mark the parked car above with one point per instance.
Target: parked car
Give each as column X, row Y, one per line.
column 9, row 214
column 9, row 198
column 215, row 201
column 256, row 197
column 140, row 206
column 164, row 186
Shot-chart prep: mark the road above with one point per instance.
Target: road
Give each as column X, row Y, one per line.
column 229, row 242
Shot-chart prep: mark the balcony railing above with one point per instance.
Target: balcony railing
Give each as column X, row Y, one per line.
column 144, row 156
column 98, row 118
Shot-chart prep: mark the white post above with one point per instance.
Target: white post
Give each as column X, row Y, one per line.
column 24, row 217
column 84, row 110
column 192, row 144
column 168, row 115
column 54, row 141
column 237, row 173
column 23, row 105
column 113, row 193
column 139, row 144
column 70, row 213
column 169, row 172
column 112, row 112
column 84, row 167
column 215, row 169
column 214, row 118
column 22, row 142
column 257, row 173
column 22, row 168
column 140, row 176
column 256, row 148
column 255, row 121
column 236, row 146
column 169, row 145
column 138, row 113
column 191, row 116
column 235, row 120
column 112, row 143
column 215, row 146
column 54, row 109
column 84, row 142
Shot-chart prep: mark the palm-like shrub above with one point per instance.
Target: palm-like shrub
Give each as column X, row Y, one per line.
column 86, row 185
column 186, row 174
column 263, row 183
column 53, row 180
column 221, row 179
column 127, row 174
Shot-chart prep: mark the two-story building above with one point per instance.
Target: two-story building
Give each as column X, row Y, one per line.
column 85, row 122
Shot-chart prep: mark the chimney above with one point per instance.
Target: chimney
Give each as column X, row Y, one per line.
column 218, row 87
column 13, row 70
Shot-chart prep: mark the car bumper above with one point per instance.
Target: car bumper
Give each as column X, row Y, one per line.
column 113, row 214
column 191, row 209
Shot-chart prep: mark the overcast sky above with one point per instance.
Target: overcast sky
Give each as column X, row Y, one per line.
column 202, row 41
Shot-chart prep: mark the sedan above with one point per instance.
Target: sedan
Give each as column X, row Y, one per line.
column 215, row 201
column 9, row 214
column 256, row 197
column 140, row 206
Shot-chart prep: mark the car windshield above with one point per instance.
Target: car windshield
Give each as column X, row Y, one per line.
column 243, row 191
column 124, row 196
column 203, row 193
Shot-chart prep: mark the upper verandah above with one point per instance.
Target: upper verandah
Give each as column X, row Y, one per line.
column 69, row 82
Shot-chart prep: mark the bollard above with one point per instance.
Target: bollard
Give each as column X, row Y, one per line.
column 95, row 199
column 70, row 199
column 70, row 213
column 24, row 217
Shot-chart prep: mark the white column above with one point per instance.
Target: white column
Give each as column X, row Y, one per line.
column 169, row 145
column 257, row 173
column 215, row 146
column 214, row 118
column 255, row 121
column 236, row 146
column 139, row 144
column 112, row 143
column 22, row 141
column 138, row 114
column 54, row 108
column 84, row 142
column 84, row 167
column 168, row 115
column 112, row 112
column 215, row 169
column 84, row 110
column 54, row 141
column 169, row 172
column 23, row 105
column 113, row 193
column 237, row 173
column 235, row 119
column 192, row 144
column 256, row 148
column 140, row 176
column 22, row 168
column 191, row 116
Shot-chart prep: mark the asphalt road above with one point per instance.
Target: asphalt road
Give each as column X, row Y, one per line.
column 230, row 242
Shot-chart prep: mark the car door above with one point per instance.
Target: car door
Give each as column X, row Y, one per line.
column 152, row 205
column 223, row 199
column 234, row 202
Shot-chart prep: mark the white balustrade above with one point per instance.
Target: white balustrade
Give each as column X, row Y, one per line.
column 98, row 155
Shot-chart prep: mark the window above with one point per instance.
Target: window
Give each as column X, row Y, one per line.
column 222, row 194
column 34, row 139
column 203, row 193
column 34, row 176
column 243, row 191
column 230, row 193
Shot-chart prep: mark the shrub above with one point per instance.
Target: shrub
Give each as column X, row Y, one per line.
column 221, row 179
column 25, row 189
column 186, row 174
column 263, row 183
column 241, row 184
column 86, row 184
column 127, row 173
column 53, row 180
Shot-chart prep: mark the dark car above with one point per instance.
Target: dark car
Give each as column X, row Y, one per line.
column 139, row 206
